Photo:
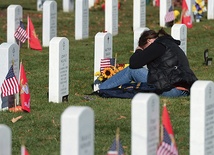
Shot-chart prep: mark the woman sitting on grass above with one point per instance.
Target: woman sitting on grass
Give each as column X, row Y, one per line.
column 168, row 67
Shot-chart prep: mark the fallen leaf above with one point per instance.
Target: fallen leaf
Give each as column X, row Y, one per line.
column 121, row 117
column 14, row 120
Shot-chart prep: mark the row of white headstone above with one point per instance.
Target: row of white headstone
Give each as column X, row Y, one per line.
column 78, row 125
column 68, row 5
column 49, row 24
column 58, row 72
column 15, row 15
column 139, row 10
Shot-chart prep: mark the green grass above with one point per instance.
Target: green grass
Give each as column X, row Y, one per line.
column 40, row 129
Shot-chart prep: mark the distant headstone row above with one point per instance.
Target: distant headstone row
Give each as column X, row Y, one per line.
column 49, row 8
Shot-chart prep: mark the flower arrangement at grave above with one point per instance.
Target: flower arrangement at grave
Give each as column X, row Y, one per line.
column 198, row 9
column 108, row 72
column 100, row 5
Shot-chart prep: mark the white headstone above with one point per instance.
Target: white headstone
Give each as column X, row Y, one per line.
column 139, row 14
column 91, row 3
column 145, row 124
column 68, row 5
column 49, row 22
column 40, row 5
column 111, row 17
column 81, row 19
column 9, row 55
column 202, row 118
column 58, row 69
column 137, row 34
column 5, row 140
column 77, row 131
column 164, row 7
column 179, row 32
column 210, row 9
column 14, row 16
column 102, row 49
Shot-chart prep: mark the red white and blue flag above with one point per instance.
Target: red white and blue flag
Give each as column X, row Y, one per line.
column 10, row 85
column 168, row 145
column 116, row 148
column 21, row 33
column 170, row 15
column 24, row 150
column 106, row 62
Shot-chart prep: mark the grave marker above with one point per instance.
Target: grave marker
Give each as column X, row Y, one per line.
column 164, row 7
column 14, row 16
column 145, row 124
column 202, row 118
column 111, row 17
column 81, row 19
column 210, row 9
column 137, row 34
column 139, row 14
column 9, row 55
column 59, row 70
column 102, row 49
column 179, row 32
column 68, row 5
column 77, row 131
column 5, row 140
column 49, row 22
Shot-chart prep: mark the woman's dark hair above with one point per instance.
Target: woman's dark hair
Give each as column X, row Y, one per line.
column 150, row 34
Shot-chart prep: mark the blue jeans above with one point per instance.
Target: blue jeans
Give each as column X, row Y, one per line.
column 138, row 75
column 125, row 76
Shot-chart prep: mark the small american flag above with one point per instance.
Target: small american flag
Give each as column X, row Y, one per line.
column 10, row 85
column 169, row 15
column 21, row 33
column 114, row 146
column 24, row 150
column 106, row 62
column 167, row 147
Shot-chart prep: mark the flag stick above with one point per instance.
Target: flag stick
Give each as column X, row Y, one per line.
column 117, row 139
column 161, row 137
column 19, row 39
column 182, row 13
column 115, row 61
column 28, row 28
column 18, row 103
column 15, row 104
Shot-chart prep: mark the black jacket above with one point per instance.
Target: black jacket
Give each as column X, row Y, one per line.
column 172, row 68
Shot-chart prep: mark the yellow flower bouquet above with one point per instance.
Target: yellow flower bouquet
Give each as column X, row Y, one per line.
column 109, row 72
